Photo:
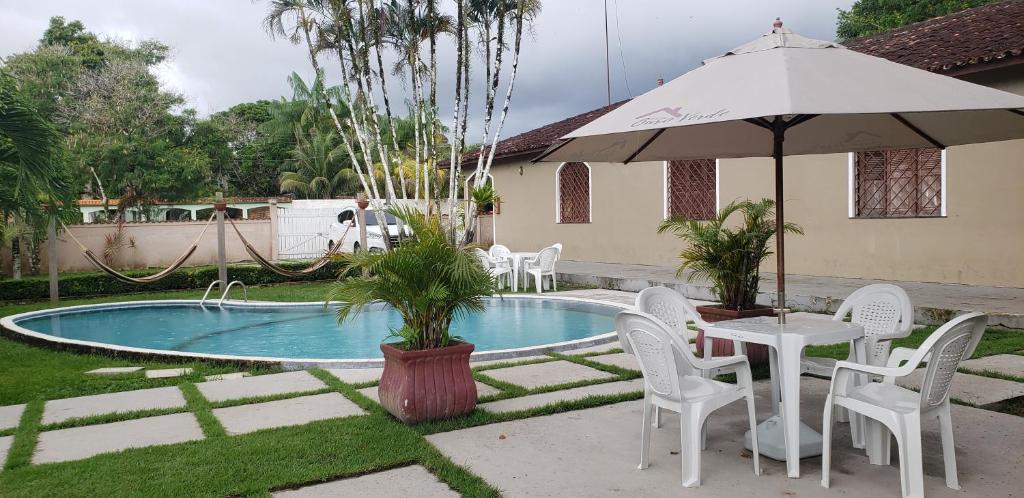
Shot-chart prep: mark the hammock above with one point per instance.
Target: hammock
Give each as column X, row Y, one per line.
column 99, row 264
column 264, row 262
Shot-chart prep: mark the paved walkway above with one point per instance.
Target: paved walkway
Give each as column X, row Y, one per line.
column 933, row 303
column 592, row 452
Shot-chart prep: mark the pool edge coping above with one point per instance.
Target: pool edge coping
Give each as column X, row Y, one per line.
column 9, row 328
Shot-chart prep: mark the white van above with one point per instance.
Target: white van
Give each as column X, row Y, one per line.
column 374, row 239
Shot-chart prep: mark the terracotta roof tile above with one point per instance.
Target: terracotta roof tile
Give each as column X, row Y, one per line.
column 538, row 139
column 953, row 42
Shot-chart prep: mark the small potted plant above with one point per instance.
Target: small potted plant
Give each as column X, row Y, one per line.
column 729, row 255
column 430, row 281
column 484, row 197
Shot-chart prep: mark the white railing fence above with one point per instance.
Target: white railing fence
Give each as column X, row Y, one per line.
column 304, row 233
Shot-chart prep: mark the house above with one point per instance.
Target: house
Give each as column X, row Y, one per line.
column 953, row 215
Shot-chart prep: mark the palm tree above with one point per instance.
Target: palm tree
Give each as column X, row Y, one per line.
column 31, row 173
column 320, row 171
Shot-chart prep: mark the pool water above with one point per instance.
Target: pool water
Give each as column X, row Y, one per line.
column 310, row 331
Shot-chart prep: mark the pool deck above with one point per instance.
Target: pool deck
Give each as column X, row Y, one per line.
column 934, row 303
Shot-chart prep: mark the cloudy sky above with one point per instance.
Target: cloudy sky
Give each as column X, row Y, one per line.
column 222, row 56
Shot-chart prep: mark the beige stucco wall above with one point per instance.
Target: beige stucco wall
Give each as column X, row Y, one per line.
column 159, row 244
column 980, row 241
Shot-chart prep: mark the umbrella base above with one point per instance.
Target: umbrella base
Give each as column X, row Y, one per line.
column 771, row 440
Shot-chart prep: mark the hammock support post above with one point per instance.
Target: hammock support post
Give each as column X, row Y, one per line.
column 222, row 266
column 362, row 203
column 274, row 230
column 51, row 259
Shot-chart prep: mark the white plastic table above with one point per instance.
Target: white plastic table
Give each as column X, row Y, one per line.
column 787, row 439
column 516, row 259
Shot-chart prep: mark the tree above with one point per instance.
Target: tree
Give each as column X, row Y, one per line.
column 320, row 170
column 867, row 17
column 31, row 175
column 356, row 33
column 122, row 134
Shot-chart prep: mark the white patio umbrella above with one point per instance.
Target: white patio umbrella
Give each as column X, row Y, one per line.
column 754, row 101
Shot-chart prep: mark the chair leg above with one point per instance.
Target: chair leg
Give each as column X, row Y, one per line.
column 878, row 442
column 538, row 280
column 554, row 282
column 645, row 434
column 751, row 413
column 911, row 464
column 948, row 449
column 657, row 417
column 842, row 415
column 690, row 423
column 826, row 443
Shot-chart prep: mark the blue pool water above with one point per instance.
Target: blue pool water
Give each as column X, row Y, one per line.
column 293, row 331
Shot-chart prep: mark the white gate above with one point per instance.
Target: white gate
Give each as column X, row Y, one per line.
column 304, row 233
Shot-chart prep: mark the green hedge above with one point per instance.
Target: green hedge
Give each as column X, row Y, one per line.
column 100, row 284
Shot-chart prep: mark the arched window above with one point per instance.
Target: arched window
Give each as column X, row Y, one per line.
column 573, row 190
column 691, row 189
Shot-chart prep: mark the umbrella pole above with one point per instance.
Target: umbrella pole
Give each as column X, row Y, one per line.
column 779, row 133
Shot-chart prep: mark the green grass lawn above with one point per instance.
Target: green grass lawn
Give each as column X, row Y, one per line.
column 256, row 464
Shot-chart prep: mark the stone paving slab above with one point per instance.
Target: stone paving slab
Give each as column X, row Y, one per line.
column 261, row 385
column 485, row 363
column 286, row 412
column 601, row 348
column 481, row 391
column 973, row 389
column 227, row 376
column 413, row 480
column 595, row 452
column 356, row 375
column 10, row 416
column 5, row 446
column 59, row 410
column 538, row 400
column 621, row 360
column 113, row 370
column 83, row 442
column 167, row 373
column 546, row 374
column 1006, row 364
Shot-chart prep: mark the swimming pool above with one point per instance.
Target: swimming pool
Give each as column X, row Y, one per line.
column 308, row 333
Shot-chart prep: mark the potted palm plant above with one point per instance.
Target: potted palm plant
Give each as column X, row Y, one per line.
column 430, row 281
column 729, row 255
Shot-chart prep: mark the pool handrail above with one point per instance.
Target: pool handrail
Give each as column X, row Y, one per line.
column 245, row 292
column 208, row 289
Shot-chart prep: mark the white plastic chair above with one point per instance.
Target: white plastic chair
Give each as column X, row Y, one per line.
column 885, row 312
column 901, row 410
column 674, row 310
column 542, row 266
column 672, row 380
column 498, row 251
column 499, row 269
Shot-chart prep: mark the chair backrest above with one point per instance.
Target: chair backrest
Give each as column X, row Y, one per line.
column 949, row 345
column 670, row 307
column 499, row 251
column 546, row 258
column 655, row 349
column 485, row 259
column 559, row 247
column 885, row 312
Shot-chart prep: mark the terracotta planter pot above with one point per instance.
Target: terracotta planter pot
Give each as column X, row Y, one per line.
column 757, row 354
column 430, row 384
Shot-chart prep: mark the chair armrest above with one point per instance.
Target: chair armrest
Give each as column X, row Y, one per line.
column 720, row 362
column 899, row 355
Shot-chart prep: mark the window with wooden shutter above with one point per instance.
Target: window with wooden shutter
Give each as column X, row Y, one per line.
column 898, row 183
column 691, row 189
column 574, row 193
